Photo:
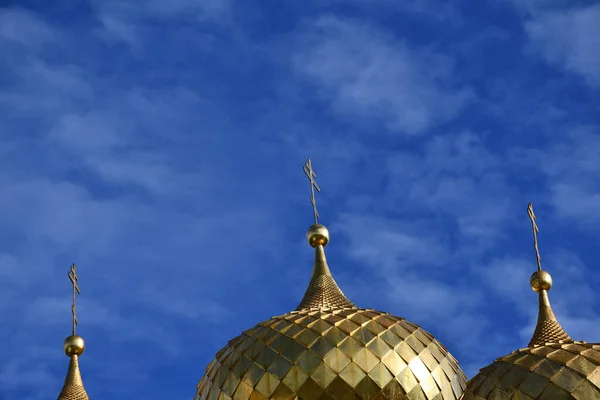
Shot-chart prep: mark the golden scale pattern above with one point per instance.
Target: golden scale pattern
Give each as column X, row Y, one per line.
column 72, row 392
column 548, row 331
column 323, row 291
column 73, row 388
column 554, row 371
column 333, row 353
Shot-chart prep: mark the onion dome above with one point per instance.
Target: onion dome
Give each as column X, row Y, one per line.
column 552, row 366
column 328, row 348
column 74, row 346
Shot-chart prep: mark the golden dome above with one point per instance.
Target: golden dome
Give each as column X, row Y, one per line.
column 553, row 371
column 330, row 349
column 552, row 366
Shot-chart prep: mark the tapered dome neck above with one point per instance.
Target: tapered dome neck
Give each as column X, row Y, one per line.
column 322, row 291
column 548, row 329
column 73, row 387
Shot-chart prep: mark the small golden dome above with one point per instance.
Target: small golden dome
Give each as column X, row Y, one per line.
column 74, row 345
column 328, row 348
column 553, row 371
column 552, row 366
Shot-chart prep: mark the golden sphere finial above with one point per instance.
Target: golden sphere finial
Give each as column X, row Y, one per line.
column 74, row 345
column 317, row 235
column 540, row 280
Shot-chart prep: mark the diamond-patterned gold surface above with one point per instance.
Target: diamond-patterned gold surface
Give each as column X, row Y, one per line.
column 322, row 292
column 548, row 331
column 552, row 371
column 333, row 353
column 70, row 392
column 73, row 388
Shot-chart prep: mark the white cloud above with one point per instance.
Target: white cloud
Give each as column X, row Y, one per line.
column 25, row 28
column 570, row 165
column 431, row 9
column 458, row 176
column 132, row 184
column 528, row 7
column 569, row 38
column 15, row 374
column 364, row 71
column 406, row 246
column 136, row 10
column 123, row 19
column 100, row 127
column 564, row 33
column 106, row 145
column 82, row 218
column 55, row 87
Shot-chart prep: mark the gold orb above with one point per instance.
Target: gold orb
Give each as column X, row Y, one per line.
column 74, row 345
column 317, row 235
column 540, row 280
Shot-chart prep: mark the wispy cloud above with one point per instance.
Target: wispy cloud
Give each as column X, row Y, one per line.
column 210, row 9
column 158, row 145
column 363, row 70
column 98, row 172
column 570, row 165
column 430, row 9
column 570, row 39
column 128, row 20
column 565, row 34
column 12, row 21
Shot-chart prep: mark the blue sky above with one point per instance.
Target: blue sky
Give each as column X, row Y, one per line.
column 159, row 144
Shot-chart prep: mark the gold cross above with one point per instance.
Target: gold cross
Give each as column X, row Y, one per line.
column 310, row 173
column 536, row 230
column 74, row 278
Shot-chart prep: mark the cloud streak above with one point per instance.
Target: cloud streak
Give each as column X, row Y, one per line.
column 362, row 70
column 570, row 39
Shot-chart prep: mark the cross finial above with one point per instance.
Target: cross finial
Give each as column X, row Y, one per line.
column 310, row 173
column 536, row 230
column 74, row 278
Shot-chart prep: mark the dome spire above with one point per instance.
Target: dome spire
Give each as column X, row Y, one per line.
column 74, row 346
column 548, row 329
column 322, row 291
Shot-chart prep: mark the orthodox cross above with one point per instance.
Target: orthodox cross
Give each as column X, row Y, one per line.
column 536, row 230
column 74, row 278
column 310, row 173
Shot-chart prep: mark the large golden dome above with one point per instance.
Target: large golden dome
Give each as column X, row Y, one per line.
column 330, row 349
column 552, row 366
